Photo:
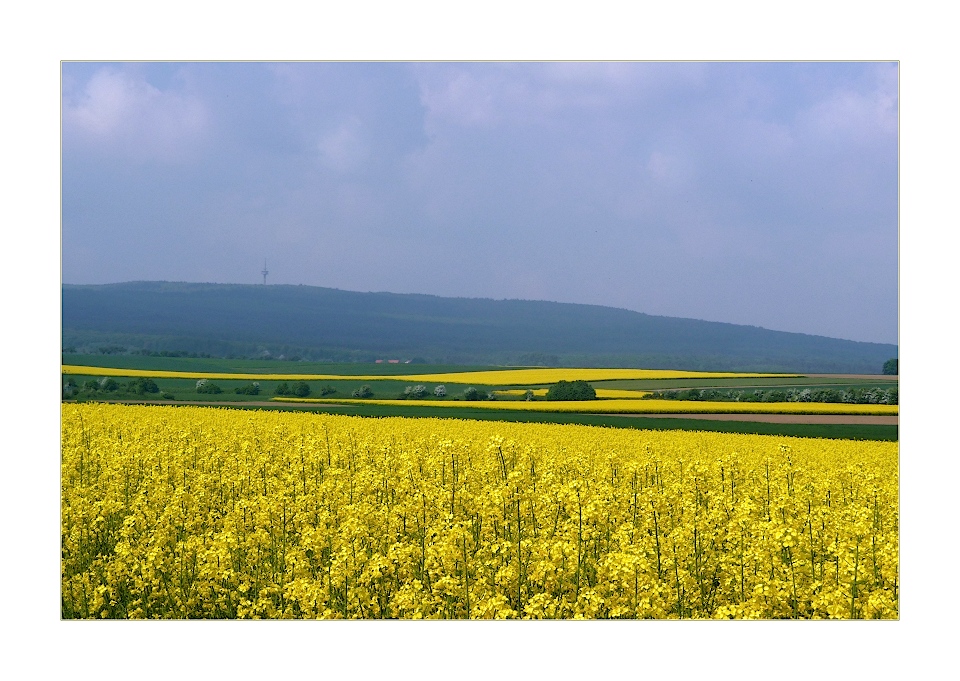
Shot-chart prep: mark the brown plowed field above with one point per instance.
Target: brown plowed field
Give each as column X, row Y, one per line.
column 857, row 419
column 875, row 377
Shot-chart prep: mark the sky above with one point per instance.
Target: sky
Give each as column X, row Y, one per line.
column 760, row 193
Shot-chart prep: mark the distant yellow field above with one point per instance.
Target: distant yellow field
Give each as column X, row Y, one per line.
column 541, row 376
column 612, row 394
column 631, row 406
column 499, row 377
column 602, row 393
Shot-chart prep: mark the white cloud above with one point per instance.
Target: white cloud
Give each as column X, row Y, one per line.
column 858, row 115
column 458, row 96
column 345, row 148
column 122, row 114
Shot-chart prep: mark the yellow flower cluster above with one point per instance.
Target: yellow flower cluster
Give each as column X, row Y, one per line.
column 498, row 377
column 196, row 512
column 629, row 406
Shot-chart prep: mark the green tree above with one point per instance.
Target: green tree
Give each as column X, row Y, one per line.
column 890, row 367
column 572, row 391
column 472, row 393
column 206, row 387
column 141, row 386
column 251, row 389
column 301, row 389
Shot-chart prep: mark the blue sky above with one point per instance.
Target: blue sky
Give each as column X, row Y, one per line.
column 744, row 192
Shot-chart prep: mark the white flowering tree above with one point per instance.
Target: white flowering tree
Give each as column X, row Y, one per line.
column 440, row 391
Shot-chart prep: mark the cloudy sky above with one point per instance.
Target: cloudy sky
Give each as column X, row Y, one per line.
column 752, row 193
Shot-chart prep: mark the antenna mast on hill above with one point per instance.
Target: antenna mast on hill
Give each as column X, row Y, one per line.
column 264, row 273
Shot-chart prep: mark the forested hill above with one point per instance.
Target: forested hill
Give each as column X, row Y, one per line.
column 323, row 324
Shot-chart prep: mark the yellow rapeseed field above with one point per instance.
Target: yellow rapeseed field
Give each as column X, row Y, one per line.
column 602, row 393
column 499, row 377
column 198, row 512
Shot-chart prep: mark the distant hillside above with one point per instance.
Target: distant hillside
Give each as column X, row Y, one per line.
column 322, row 324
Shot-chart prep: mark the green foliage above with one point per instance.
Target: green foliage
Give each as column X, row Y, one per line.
column 142, row 386
column 327, row 390
column 871, row 395
column 571, row 391
column 414, row 392
column 171, row 353
column 251, row 389
column 108, row 384
column 301, row 389
column 207, row 388
column 472, row 394
column 363, row 392
column 282, row 389
column 890, row 367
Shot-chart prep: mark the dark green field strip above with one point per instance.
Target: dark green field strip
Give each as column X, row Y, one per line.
column 387, row 387
column 759, row 383
column 837, row 432
column 251, row 366
column 186, row 388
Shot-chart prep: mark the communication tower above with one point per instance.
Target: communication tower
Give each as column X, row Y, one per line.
column 264, row 273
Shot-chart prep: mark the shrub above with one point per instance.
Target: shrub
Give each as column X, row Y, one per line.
column 890, row 367
column 141, row 386
column 327, row 390
column 301, row 389
column 472, row 393
column 282, row 389
column 206, row 387
column 414, row 392
column 363, row 392
column 108, row 384
column 252, row 389
column 440, row 391
column 572, row 391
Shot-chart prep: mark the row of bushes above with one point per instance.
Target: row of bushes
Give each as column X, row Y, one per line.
column 136, row 386
column 827, row 395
